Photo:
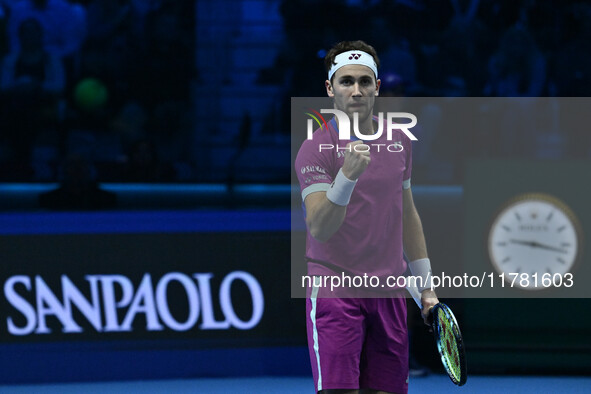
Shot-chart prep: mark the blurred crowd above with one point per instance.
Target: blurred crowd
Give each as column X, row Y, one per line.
column 107, row 80
column 455, row 48
column 110, row 80
column 446, row 47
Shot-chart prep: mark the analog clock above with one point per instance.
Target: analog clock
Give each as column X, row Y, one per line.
column 534, row 234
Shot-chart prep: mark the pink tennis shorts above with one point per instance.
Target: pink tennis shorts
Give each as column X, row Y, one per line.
column 358, row 343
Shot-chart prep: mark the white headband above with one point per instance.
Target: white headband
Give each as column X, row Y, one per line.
column 353, row 57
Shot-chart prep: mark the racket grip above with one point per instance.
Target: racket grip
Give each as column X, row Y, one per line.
column 416, row 295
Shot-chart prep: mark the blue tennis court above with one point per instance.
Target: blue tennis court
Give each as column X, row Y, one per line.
column 432, row 383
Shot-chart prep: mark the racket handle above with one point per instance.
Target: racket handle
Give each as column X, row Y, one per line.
column 414, row 292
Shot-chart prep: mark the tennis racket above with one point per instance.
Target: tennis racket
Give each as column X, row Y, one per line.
column 448, row 339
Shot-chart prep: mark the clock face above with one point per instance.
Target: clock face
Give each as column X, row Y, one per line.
column 534, row 234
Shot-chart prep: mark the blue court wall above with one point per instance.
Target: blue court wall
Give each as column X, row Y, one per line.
column 148, row 294
column 178, row 293
column 107, row 295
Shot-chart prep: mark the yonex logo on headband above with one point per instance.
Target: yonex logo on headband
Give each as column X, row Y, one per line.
column 353, row 57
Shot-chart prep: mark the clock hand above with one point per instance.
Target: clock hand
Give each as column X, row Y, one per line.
column 535, row 244
column 548, row 247
column 520, row 242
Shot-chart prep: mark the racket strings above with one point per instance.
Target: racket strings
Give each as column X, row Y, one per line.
column 451, row 357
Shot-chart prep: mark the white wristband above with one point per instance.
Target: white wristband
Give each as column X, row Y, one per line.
column 422, row 268
column 341, row 189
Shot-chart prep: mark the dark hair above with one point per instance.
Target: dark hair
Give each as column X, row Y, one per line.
column 345, row 46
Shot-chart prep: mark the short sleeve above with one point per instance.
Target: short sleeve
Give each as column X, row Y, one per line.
column 313, row 169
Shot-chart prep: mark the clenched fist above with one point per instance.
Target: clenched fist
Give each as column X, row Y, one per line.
column 357, row 159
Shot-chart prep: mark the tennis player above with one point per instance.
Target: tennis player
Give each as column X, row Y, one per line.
column 360, row 217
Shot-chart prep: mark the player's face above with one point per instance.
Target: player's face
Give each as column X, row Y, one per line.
column 354, row 89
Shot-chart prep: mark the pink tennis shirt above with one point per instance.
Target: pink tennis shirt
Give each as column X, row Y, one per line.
column 369, row 240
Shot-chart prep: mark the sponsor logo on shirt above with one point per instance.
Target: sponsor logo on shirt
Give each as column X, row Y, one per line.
column 307, row 169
